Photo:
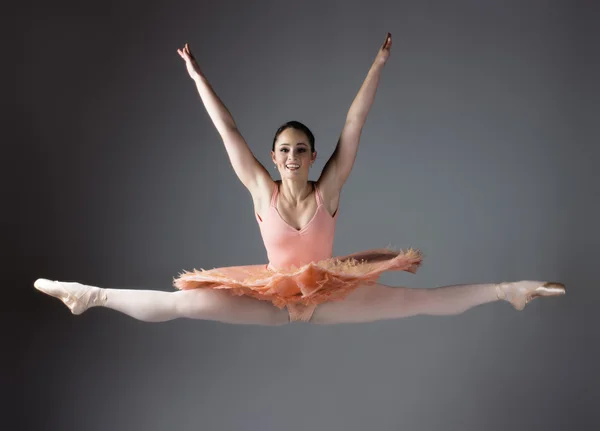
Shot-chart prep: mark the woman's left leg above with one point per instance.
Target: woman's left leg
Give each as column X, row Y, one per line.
column 380, row 302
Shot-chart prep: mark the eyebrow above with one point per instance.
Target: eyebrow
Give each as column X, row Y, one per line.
column 299, row 143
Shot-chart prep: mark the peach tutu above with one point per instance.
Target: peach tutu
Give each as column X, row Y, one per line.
column 309, row 285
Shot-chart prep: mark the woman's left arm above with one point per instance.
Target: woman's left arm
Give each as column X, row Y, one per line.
column 338, row 167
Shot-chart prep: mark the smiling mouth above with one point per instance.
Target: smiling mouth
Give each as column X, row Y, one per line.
column 292, row 167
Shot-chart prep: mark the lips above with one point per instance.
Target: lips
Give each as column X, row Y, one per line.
column 292, row 167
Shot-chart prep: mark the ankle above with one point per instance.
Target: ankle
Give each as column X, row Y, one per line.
column 98, row 297
column 502, row 290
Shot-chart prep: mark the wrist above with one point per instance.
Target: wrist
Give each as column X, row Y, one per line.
column 199, row 78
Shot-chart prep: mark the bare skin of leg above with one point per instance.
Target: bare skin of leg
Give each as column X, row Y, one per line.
column 381, row 302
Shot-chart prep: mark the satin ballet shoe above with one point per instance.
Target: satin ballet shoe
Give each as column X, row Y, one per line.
column 76, row 296
column 520, row 293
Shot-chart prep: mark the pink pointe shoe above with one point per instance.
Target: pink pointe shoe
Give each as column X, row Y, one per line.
column 520, row 293
column 78, row 297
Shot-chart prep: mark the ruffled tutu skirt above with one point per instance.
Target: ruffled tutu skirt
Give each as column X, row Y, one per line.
column 307, row 286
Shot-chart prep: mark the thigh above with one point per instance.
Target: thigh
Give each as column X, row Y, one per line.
column 366, row 304
column 222, row 306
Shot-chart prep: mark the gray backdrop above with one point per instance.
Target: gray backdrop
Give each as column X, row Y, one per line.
column 480, row 150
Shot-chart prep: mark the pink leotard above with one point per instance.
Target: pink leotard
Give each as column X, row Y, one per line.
column 287, row 246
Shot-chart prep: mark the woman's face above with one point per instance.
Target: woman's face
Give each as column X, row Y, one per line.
column 292, row 154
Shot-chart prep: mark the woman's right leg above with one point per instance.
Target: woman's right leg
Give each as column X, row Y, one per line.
column 159, row 306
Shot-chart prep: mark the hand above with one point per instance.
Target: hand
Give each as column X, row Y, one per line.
column 384, row 51
column 190, row 62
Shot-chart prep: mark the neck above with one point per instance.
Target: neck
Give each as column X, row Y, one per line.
column 295, row 191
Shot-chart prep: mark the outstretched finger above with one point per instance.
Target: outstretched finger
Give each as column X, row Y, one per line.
column 388, row 41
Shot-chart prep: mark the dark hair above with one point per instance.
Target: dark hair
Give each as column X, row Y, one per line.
column 298, row 126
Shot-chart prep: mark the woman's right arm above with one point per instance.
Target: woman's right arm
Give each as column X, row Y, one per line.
column 248, row 169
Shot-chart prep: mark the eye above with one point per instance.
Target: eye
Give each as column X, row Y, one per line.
column 284, row 150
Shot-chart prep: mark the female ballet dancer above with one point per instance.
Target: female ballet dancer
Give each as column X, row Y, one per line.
column 297, row 218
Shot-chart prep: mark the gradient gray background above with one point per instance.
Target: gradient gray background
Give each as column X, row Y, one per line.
column 480, row 150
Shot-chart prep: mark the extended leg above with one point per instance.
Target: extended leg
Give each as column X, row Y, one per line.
column 379, row 302
column 159, row 306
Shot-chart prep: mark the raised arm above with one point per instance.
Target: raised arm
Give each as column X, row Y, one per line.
column 338, row 167
column 248, row 169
